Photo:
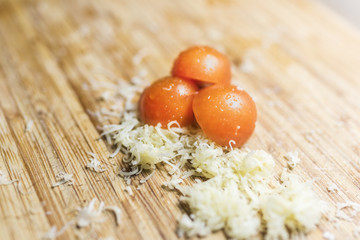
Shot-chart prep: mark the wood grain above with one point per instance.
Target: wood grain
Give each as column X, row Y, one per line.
column 57, row 55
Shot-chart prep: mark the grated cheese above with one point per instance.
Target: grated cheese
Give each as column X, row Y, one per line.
column 241, row 195
column 128, row 181
column 129, row 190
column 117, row 150
column 89, row 214
column 5, row 181
column 218, row 203
column 308, row 137
column 139, row 56
column 53, row 233
column 292, row 159
column 94, row 164
column 105, row 96
column 146, row 145
column 174, row 183
column 340, row 210
column 147, row 177
column 63, row 178
column 328, row 236
column 247, row 66
column 86, row 216
column 192, row 227
column 29, row 125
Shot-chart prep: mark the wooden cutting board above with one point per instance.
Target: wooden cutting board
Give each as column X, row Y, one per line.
column 299, row 61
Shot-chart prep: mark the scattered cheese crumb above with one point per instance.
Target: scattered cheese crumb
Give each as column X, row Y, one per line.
column 328, row 236
column 63, row 178
column 333, row 188
column 89, row 214
column 139, row 56
column 105, row 96
column 190, row 227
column 308, row 137
column 128, row 181
column 53, row 234
column 5, row 181
column 247, row 66
column 342, row 215
column 295, row 207
column 129, row 190
column 292, row 159
column 214, row 34
column 174, row 183
column 147, row 177
column 29, row 125
column 94, row 164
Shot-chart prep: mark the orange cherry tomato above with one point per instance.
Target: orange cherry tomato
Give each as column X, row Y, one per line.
column 203, row 64
column 168, row 99
column 226, row 114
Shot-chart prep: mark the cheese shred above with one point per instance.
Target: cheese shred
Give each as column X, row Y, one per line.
column 94, row 164
column 292, row 159
column 89, row 214
column 63, row 178
column 5, row 181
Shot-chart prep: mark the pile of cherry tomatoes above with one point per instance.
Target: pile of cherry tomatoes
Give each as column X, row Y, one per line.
column 200, row 89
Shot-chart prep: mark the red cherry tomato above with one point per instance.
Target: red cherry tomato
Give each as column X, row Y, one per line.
column 226, row 114
column 203, row 64
column 168, row 99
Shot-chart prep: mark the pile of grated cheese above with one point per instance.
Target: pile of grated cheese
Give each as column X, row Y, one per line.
column 241, row 195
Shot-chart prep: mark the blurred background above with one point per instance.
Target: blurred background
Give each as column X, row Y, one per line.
column 349, row 9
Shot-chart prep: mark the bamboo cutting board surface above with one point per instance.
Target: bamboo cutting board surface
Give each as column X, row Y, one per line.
column 298, row 60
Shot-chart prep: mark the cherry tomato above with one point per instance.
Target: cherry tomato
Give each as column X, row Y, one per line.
column 226, row 114
column 203, row 64
column 168, row 99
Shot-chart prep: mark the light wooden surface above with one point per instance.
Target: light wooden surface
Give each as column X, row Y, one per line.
column 298, row 60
